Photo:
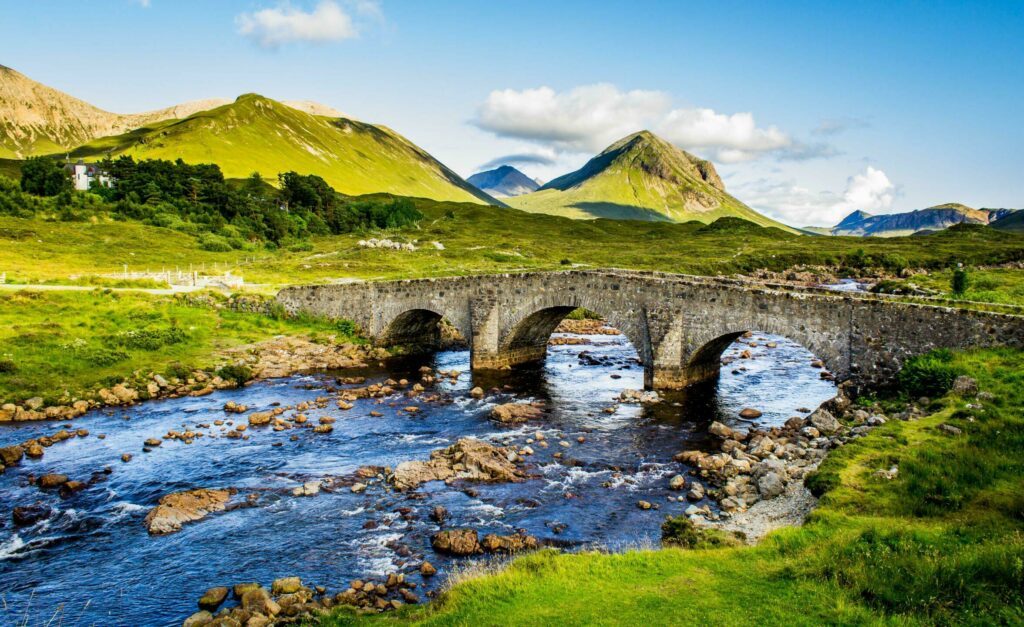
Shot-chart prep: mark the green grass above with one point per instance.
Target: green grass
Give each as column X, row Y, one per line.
column 257, row 134
column 66, row 345
column 991, row 286
column 940, row 544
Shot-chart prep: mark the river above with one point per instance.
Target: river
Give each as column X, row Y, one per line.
column 92, row 561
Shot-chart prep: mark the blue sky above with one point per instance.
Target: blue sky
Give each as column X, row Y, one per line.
column 810, row 109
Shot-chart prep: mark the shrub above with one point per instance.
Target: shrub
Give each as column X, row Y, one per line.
column 150, row 339
column 101, row 357
column 821, row 481
column 238, row 373
column 931, row 374
column 960, row 281
column 680, row 531
column 214, row 243
column 347, row 327
column 7, row 366
column 178, row 370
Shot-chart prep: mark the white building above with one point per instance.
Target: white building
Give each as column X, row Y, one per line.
column 83, row 174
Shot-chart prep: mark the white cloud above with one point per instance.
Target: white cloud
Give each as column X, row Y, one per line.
column 584, row 119
column 271, row 28
column 589, row 118
column 870, row 190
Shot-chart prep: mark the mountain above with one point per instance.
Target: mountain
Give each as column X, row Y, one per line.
column 641, row 177
column 257, row 134
column 1009, row 220
column 934, row 218
column 504, row 182
column 36, row 119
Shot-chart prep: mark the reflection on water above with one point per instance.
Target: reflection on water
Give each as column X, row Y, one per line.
column 92, row 561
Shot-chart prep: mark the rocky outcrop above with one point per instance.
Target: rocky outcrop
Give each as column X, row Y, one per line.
column 175, row 510
column 466, row 460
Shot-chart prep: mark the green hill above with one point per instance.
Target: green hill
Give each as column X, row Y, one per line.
column 641, row 177
column 257, row 134
column 1013, row 221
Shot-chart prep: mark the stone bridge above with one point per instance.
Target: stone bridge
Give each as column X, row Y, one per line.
column 679, row 325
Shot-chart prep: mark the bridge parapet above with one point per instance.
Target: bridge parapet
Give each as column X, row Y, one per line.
column 678, row 324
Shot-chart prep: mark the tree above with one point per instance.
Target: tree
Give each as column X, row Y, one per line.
column 960, row 281
column 44, row 177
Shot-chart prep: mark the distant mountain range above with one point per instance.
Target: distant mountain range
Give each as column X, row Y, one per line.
column 641, row 177
column 504, row 182
column 937, row 218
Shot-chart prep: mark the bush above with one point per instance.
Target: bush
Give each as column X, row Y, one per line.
column 821, row 481
column 214, row 243
column 150, row 339
column 931, row 374
column 7, row 366
column 178, row 370
column 960, row 281
column 238, row 373
column 102, row 357
column 347, row 327
column 680, row 531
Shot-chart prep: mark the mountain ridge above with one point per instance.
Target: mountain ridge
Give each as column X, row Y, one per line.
column 641, row 177
column 504, row 182
column 258, row 134
column 935, row 218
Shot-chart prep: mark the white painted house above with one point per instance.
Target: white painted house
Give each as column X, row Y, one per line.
column 83, row 174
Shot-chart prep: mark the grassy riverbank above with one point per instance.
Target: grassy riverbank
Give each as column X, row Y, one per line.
column 943, row 542
column 479, row 239
column 66, row 345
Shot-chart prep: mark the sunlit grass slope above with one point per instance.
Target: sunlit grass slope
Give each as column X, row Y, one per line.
column 257, row 134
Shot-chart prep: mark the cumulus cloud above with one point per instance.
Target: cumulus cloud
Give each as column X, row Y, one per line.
column 870, row 190
column 326, row 22
column 589, row 118
column 584, row 119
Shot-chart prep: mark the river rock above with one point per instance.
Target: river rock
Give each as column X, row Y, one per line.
column 720, row 430
column 239, row 589
column 439, row 514
column 213, row 598
column 493, row 543
column 823, row 420
column 260, row 418
column 199, row 619
column 259, row 601
column 286, row 585
column 51, row 481
column 179, row 508
column 310, row 488
column 770, row 485
column 11, row 455
column 69, row 488
column 477, row 392
column 427, row 569
column 750, row 413
column 513, row 413
column 34, row 451
column 25, row 515
column 468, row 459
column 677, row 482
column 456, row 542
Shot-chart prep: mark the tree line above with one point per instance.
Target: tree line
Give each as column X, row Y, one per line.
column 225, row 214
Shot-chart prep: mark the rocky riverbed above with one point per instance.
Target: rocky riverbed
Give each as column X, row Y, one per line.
column 366, row 486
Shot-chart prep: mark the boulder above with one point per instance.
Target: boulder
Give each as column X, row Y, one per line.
column 179, row 508
column 477, row 392
column 286, row 585
column 25, row 515
column 213, row 598
column 239, row 589
column 677, row 482
column 260, row 418
column 720, row 430
column 259, row 601
column 427, row 569
column 750, row 413
column 456, row 542
column 513, row 413
column 199, row 619
column 468, row 459
column 493, row 543
column 770, row 485
column 11, row 455
column 51, row 481
column 965, row 386
column 823, row 420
